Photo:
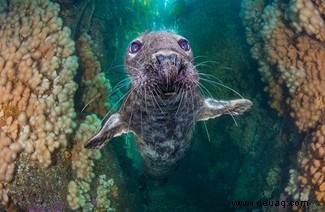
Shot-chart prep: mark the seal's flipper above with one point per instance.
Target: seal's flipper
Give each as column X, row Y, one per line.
column 114, row 126
column 212, row 108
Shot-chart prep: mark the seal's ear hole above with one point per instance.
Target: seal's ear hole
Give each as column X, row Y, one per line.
column 184, row 44
column 135, row 46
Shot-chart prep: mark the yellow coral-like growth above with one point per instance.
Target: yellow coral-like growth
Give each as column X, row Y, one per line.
column 287, row 39
column 36, row 84
column 289, row 62
column 306, row 15
column 309, row 102
column 79, row 189
column 311, row 165
column 82, row 165
column 95, row 86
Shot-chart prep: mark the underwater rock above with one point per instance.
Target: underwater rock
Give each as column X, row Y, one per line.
column 34, row 188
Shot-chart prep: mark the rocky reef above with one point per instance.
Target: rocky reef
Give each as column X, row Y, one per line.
column 43, row 165
column 287, row 39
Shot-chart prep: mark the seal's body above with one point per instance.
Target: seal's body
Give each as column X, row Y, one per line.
column 163, row 128
column 163, row 102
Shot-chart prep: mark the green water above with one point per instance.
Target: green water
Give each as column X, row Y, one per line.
column 230, row 158
column 227, row 161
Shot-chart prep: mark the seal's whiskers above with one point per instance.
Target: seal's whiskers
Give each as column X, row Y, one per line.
column 122, row 83
column 115, row 89
column 210, row 75
column 178, row 91
column 232, row 116
column 127, row 94
column 222, row 85
column 205, row 63
column 199, row 56
column 155, row 100
column 157, row 94
column 227, row 68
column 200, row 85
column 145, row 99
column 141, row 113
column 206, row 129
column 193, row 107
column 90, row 101
column 179, row 105
column 131, row 116
column 114, row 67
column 126, row 99
column 138, row 63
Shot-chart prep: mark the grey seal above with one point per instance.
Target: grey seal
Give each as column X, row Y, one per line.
column 163, row 102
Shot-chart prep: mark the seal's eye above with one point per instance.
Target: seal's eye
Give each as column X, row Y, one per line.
column 134, row 47
column 184, row 44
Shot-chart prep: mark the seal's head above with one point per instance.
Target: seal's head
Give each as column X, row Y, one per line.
column 161, row 63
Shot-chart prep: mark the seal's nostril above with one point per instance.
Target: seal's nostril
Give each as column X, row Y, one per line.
column 160, row 58
column 173, row 58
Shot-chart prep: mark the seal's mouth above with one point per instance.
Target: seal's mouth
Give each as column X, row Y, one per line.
column 168, row 87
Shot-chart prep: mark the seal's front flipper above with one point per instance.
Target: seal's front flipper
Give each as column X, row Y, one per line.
column 212, row 108
column 114, row 126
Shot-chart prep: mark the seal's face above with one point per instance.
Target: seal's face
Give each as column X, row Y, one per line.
column 161, row 63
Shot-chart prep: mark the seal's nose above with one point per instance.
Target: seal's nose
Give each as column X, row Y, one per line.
column 162, row 59
column 167, row 67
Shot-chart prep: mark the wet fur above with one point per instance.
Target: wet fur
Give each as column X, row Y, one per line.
column 162, row 105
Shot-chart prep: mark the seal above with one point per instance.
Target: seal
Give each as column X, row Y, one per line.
column 163, row 102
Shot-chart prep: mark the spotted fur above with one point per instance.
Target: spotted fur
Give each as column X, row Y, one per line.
column 163, row 104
